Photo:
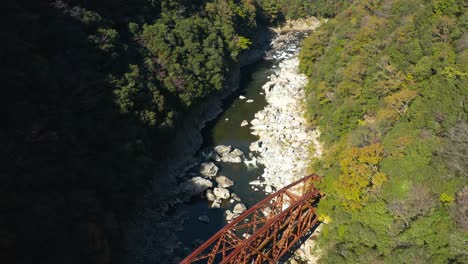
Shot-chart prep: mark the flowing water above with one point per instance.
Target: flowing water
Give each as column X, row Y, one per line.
column 226, row 130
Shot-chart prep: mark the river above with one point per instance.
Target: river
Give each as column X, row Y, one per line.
column 168, row 235
column 226, row 129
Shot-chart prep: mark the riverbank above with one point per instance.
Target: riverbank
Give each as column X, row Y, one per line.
column 285, row 136
column 153, row 236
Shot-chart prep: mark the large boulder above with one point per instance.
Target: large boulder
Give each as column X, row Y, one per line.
column 256, row 182
column 224, row 181
column 222, row 149
column 227, row 156
column 221, row 193
column 239, row 208
column 235, row 197
column 210, row 195
column 251, row 163
column 256, row 146
column 267, row 212
column 195, row 186
column 232, row 158
column 237, row 152
column 254, row 122
column 208, row 169
column 216, row 204
column 230, row 216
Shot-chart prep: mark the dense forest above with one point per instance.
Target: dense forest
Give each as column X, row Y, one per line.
column 297, row 9
column 94, row 91
column 388, row 89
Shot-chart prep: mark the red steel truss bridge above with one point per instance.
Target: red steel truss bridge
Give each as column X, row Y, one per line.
column 267, row 231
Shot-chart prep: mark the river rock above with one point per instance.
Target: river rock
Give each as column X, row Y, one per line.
column 222, row 149
column 210, row 195
column 244, row 123
column 251, row 163
column 260, row 116
column 195, row 186
column 231, row 157
column 204, row 219
column 246, row 235
column 239, row 208
column 267, row 211
column 229, row 215
column 237, row 152
column 208, row 169
column 256, row 182
column 224, row 181
column 221, row 193
column 241, row 97
column 268, row 189
column 235, row 197
column 249, row 101
column 216, row 204
column 254, row 147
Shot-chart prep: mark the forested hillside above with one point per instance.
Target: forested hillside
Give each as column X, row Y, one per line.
column 296, row 9
column 92, row 93
column 388, row 89
column 94, row 90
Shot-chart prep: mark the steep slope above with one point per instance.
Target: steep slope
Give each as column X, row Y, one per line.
column 388, row 89
column 92, row 93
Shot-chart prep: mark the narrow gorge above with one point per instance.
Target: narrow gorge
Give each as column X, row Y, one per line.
column 134, row 130
column 258, row 143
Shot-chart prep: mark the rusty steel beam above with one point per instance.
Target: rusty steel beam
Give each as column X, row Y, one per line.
column 288, row 219
column 274, row 225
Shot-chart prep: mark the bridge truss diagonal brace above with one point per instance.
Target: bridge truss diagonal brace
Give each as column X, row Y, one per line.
column 274, row 225
column 287, row 225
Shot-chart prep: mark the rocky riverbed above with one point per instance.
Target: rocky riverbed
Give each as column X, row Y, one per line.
column 282, row 149
column 284, row 135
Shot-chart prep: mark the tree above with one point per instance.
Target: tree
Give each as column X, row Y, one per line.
column 359, row 173
column 243, row 43
column 455, row 149
column 400, row 101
